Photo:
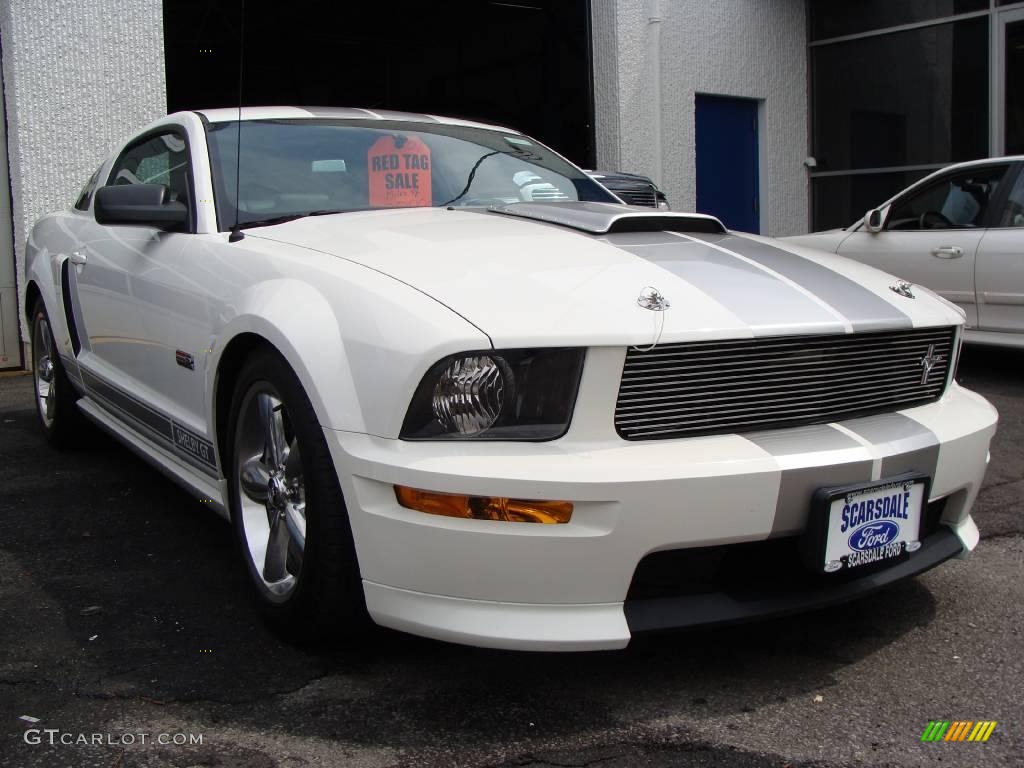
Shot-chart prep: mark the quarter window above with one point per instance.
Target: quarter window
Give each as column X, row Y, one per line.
column 957, row 201
column 85, row 196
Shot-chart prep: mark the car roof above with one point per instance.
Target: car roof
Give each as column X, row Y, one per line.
column 983, row 161
column 230, row 114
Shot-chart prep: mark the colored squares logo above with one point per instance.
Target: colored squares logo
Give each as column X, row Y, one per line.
column 958, row 730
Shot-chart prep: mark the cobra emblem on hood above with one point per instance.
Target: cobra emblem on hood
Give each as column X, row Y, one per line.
column 653, row 299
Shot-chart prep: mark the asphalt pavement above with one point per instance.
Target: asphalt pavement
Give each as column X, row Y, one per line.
column 125, row 622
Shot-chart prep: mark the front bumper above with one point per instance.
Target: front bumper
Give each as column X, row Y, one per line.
column 567, row 587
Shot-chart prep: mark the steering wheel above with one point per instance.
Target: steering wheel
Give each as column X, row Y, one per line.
column 934, row 220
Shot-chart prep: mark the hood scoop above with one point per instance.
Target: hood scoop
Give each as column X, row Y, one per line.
column 609, row 218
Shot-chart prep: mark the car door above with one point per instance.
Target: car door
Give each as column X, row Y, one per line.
column 130, row 314
column 931, row 234
column 1000, row 270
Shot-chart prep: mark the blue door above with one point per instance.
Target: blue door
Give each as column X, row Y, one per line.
column 727, row 176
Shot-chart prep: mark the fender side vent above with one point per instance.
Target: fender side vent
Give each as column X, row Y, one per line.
column 69, row 313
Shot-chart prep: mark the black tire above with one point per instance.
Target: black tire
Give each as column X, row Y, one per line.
column 325, row 601
column 61, row 420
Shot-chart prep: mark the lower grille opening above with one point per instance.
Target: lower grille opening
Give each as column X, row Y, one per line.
column 749, row 571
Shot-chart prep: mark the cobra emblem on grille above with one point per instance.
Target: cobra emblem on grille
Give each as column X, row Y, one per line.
column 929, row 361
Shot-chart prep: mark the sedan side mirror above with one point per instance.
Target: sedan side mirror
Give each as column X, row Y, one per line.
column 139, row 204
column 873, row 220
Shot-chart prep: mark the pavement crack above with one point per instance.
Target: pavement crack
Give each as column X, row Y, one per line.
column 527, row 760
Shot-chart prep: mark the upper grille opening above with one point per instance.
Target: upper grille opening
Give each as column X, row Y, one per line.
column 640, row 195
column 745, row 385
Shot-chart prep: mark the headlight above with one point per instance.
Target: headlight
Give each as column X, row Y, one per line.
column 512, row 394
column 471, row 393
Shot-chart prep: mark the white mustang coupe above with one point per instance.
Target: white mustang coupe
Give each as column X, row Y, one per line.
column 438, row 377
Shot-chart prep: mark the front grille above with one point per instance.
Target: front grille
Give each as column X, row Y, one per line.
column 634, row 194
column 709, row 387
column 642, row 194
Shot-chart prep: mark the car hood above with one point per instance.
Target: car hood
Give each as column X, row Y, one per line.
column 525, row 281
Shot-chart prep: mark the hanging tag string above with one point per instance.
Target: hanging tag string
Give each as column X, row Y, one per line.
column 659, row 324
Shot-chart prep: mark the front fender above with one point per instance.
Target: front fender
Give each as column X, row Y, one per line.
column 359, row 346
column 268, row 310
column 48, row 244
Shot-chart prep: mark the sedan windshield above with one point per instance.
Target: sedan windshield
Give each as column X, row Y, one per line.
column 292, row 168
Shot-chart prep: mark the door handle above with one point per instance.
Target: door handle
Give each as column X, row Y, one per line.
column 948, row 252
column 78, row 257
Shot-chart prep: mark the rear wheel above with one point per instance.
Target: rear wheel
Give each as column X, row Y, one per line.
column 287, row 508
column 55, row 396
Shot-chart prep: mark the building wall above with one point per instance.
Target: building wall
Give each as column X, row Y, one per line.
column 79, row 76
column 727, row 47
column 10, row 348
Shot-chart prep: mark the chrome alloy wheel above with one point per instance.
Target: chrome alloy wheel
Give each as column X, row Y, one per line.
column 43, row 371
column 271, row 491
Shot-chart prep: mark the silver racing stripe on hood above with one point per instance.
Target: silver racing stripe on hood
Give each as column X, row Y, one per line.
column 767, row 304
column 864, row 309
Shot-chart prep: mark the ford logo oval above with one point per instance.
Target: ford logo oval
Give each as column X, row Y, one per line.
column 872, row 535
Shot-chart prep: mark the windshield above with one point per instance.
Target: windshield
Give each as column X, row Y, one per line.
column 301, row 167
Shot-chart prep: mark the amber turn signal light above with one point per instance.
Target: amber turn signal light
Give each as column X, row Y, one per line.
column 484, row 507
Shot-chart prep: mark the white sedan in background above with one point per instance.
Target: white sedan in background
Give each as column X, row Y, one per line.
column 436, row 375
column 958, row 231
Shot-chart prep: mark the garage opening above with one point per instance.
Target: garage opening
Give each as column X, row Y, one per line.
column 522, row 63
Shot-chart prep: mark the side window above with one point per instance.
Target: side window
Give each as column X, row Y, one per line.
column 161, row 159
column 85, row 196
column 958, row 201
column 1013, row 211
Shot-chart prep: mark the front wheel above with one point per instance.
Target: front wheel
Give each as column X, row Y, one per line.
column 287, row 507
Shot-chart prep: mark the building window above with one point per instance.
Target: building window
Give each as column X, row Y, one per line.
column 832, row 19
column 907, row 98
column 889, row 106
column 839, row 201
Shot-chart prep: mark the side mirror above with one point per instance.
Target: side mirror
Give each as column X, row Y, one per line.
column 873, row 220
column 139, row 204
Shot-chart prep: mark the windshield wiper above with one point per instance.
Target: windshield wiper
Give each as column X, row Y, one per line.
column 269, row 222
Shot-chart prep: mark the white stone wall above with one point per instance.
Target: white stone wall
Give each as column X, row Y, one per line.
column 79, row 76
column 744, row 48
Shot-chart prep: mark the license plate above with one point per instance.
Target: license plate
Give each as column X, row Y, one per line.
column 859, row 525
